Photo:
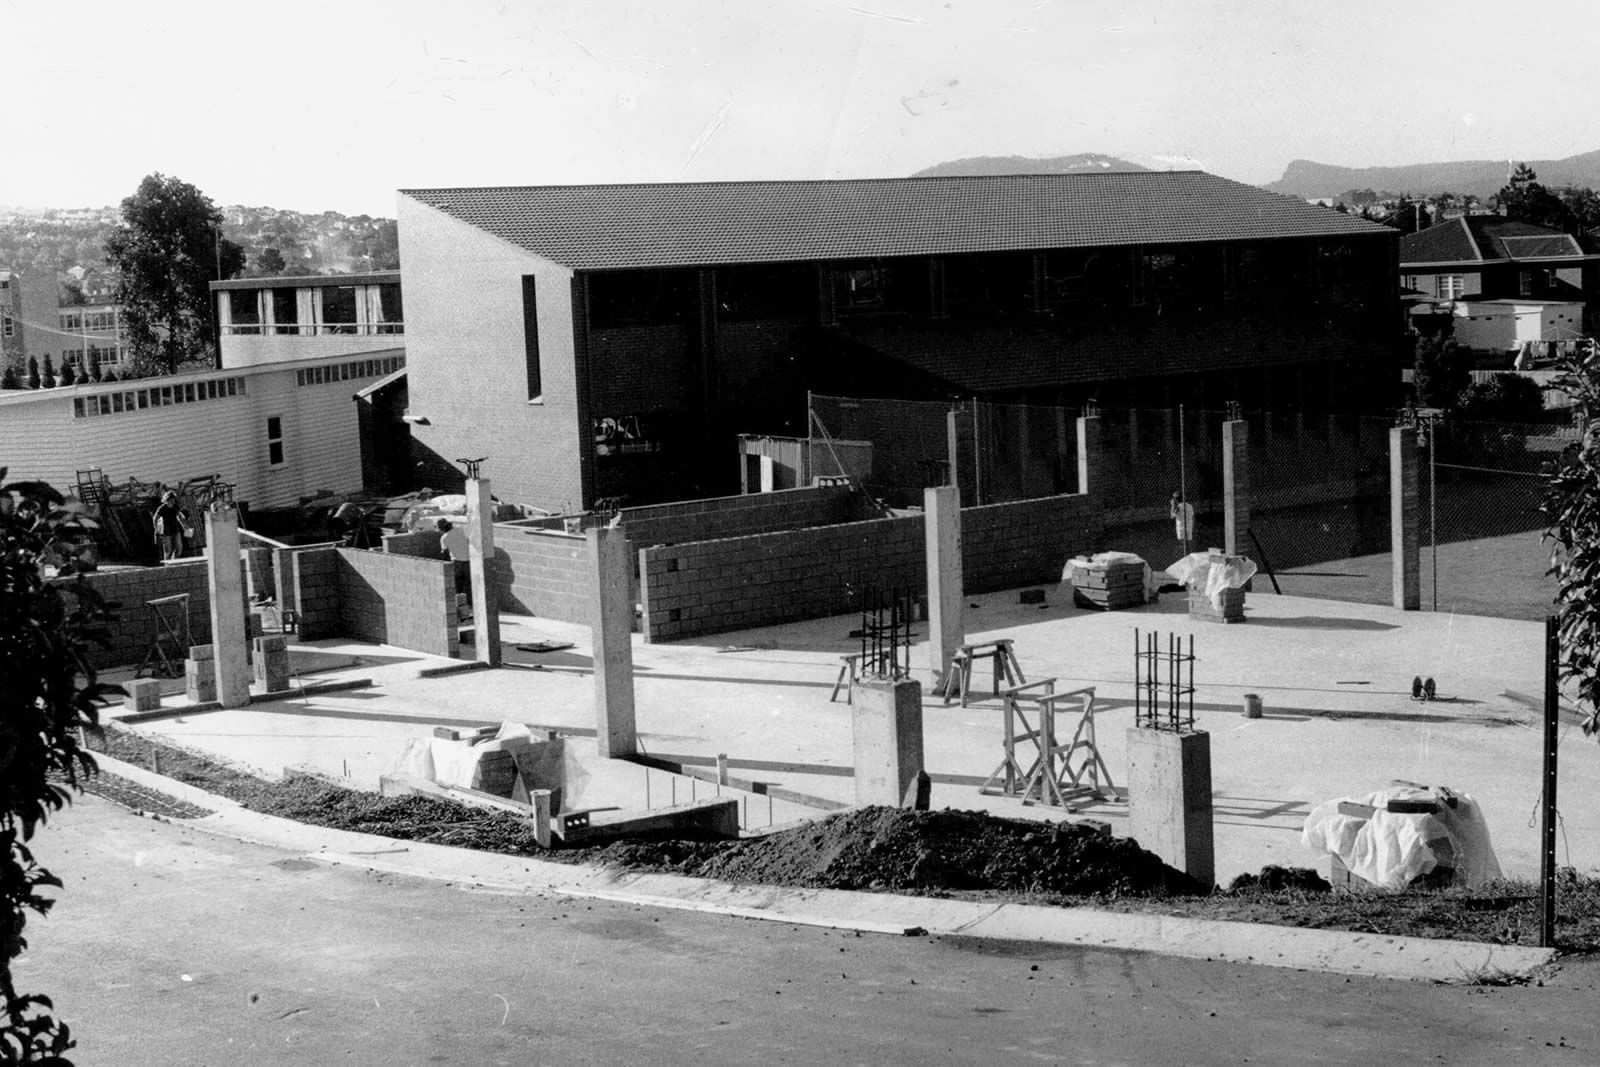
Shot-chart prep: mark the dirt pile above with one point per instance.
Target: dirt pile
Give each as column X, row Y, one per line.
column 923, row 851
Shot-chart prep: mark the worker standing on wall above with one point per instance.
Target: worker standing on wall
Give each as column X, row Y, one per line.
column 170, row 526
column 1182, row 513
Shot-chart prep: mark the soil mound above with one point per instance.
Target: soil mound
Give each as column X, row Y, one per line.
column 922, row 851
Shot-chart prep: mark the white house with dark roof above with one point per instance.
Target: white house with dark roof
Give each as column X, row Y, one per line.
column 1502, row 282
column 599, row 341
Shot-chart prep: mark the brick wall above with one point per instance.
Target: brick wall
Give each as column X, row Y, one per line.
column 466, row 362
column 710, row 586
column 647, row 368
column 397, row 600
column 135, row 627
column 541, row 572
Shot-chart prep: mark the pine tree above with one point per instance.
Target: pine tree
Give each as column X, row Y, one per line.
column 68, row 376
column 33, row 372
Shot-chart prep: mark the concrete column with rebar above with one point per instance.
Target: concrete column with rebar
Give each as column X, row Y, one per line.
column 946, row 595
column 228, row 635
column 1404, row 519
column 611, row 624
column 480, row 550
column 1235, row 487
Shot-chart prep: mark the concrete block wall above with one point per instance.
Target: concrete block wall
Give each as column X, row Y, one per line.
column 736, row 516
column 424, row 543
column 711, row 586
column 1025, row 541
column 541, row 572
column 311, row 589
column 397, row 600
column 135, row 627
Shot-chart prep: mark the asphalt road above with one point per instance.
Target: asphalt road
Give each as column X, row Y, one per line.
column 171, row 946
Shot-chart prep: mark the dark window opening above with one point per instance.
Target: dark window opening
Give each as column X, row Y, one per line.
column 766, row 291
column 285, row 311
column 339, row 309
column 530, row 335
column 998, row 285
column 274, row 440
column 244, row 310
column 390, row 312
column 641, row 298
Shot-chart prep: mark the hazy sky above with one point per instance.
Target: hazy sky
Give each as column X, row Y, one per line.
column 336, row 104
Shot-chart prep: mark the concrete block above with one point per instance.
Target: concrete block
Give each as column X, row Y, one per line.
column 200, row 653
column 200, row 681
column 143, row 694
column 1169, row 798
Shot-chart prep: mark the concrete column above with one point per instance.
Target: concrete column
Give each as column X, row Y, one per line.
column 946, row 591
column 1169, row 798
column 611, row 624
column 1404, row 538
column 1235, row 486
column 228, row 636
column 1089, row 454
column 886, row 725
column 480, row 550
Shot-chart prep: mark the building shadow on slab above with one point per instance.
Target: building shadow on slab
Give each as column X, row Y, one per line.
column 1322, row 622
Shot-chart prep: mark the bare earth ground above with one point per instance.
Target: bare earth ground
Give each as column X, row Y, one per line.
column 942, row 853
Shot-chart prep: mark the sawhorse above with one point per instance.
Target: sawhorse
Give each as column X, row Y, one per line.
column 958, row 678
column 170, row 647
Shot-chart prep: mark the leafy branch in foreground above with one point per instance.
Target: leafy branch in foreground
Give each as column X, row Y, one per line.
column 50, row 692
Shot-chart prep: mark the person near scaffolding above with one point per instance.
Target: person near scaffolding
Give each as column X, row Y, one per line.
column 170, row 526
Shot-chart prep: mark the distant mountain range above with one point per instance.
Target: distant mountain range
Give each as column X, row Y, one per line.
column 1484, row 177
column 981, row 166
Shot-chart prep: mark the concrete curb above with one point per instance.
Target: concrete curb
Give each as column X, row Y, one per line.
column 1339, row 952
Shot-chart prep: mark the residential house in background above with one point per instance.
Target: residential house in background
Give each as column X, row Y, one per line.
column 1501, row 284
column 614, row 340
column 277, row 419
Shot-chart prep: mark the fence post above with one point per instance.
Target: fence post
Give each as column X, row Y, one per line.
column 1403, row 519
column 1235, row 485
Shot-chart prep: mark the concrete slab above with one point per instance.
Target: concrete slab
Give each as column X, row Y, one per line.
column 1334, row 680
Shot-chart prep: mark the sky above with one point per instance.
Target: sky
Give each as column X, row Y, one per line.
column 334, row 105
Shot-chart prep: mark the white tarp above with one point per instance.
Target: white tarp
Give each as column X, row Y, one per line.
column 1152, row 583
column 1200, row 569
column 1393, row 849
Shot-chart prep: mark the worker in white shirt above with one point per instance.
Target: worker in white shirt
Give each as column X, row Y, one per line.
column 1182, row 513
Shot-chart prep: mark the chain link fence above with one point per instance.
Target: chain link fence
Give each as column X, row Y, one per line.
column 1318, row 487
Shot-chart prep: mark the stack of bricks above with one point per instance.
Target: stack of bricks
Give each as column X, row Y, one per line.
column 200, row 674
column 1108, row 586
column 271, row 661
column 1201, row 606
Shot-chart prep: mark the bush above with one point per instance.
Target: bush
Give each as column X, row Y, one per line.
column 1503, row 398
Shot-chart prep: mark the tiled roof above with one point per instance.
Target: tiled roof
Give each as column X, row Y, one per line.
column 1472, row 238
column 1450, row 242
column 596, row 227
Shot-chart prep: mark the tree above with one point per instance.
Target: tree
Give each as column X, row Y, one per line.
column 33, row 373
column 166, row 252
column 49, row 372
column 72, row 294
column 45, row 630
column 94, row 365
column 270, row 263
column 68, row 376
column 1522, row 198
column 1439, row 374
column 1571, row 509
